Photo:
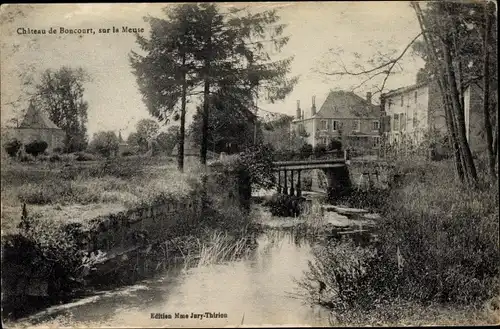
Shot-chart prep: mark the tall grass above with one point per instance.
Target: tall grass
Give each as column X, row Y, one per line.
column 438, row 246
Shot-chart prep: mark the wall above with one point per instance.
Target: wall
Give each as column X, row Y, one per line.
column 365, row 137
column 474, row 119
column 415, row 112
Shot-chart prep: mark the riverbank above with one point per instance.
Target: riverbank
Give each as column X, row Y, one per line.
column 437, row 250
column 60, row 247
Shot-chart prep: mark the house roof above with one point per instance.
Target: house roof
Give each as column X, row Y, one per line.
column 37, row 119
column 405, row 89
column 346, row 104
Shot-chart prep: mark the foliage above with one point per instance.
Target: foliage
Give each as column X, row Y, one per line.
column 61, row 94
column 105, row 143
column 319, row 150
column 334, row 144
column 36, row 147
column 12, row 147
column 435, row 247
column 230, row 126
column 82, row 156
column 306, row 151
column 258, row 161
column 147, row 130
column 166, row 141
column 284, row 205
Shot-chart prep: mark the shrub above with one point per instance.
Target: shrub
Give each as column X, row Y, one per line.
column 335, row 144
column 26, row 158
column 54, row 158
column 105, row 143
column 285, row 205
column 12, row 147
column 82, row 156
column 435, row 247
column 306, row 151
column 36, row 147
column 319, row 150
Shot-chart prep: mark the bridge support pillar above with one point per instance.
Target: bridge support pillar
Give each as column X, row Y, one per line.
column 292, row 190
column 299, row 192
column 339, row 182
column 285, row 189
column 279, row 181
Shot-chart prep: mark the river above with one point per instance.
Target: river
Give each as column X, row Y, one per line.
column 258, row 290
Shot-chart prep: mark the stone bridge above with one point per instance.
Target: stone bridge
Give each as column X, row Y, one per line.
column 336, row 170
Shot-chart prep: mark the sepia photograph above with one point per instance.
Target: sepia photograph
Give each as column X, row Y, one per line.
column 249, row 164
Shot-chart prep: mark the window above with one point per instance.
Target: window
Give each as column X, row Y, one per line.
column 323, row 125
column 356, row 125
column 402, row 100
column 335, row 125
column 376, row 141
column 402, row 122
column 375, row 125
column 395, row 121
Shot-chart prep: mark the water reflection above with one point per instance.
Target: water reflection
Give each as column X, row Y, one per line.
column 259, row 290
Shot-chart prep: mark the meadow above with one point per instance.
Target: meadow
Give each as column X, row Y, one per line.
column 78, row 190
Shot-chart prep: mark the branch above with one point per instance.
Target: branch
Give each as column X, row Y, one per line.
column 389, row 65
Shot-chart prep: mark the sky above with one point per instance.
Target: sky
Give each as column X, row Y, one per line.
column 321, row 34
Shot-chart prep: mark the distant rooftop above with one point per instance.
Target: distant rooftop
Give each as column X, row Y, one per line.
column 37, row 119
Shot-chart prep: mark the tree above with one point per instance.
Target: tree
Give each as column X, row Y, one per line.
column 133, row 140
column 229, row 124
column 452, row 39
column 105, row 143
column 165, row 73
column 60, row 94
column 166, row 141
column 147, row 130
column 230, row 49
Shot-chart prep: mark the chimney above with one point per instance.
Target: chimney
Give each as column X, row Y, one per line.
column 369, row 97
column 313, row 107
column 298, row 114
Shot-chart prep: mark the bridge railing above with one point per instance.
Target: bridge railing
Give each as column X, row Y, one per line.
column 303, row 156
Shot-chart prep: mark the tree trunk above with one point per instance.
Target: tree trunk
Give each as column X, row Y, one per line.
column 206, row 97
column 449, row 117
column 206, row 109
column 182, row 130
column 470, row 168
column 486, row 93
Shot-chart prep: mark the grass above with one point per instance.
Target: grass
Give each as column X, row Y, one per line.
column 83, row 186
column 436, row 258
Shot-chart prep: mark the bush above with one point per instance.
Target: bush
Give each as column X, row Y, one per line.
column 36, row 147
column 57, row 150
column 54, row 158
column 12, row 147
column 438, row 245
column 26, row 158
column 105, row 143
column 334, row 145
column 285, row 205
column 319, row 150
column 82, row 156
column 306, row 151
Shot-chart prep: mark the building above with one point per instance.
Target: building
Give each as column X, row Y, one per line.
column 344, row 116
column 414, row 112
column 37, row 126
